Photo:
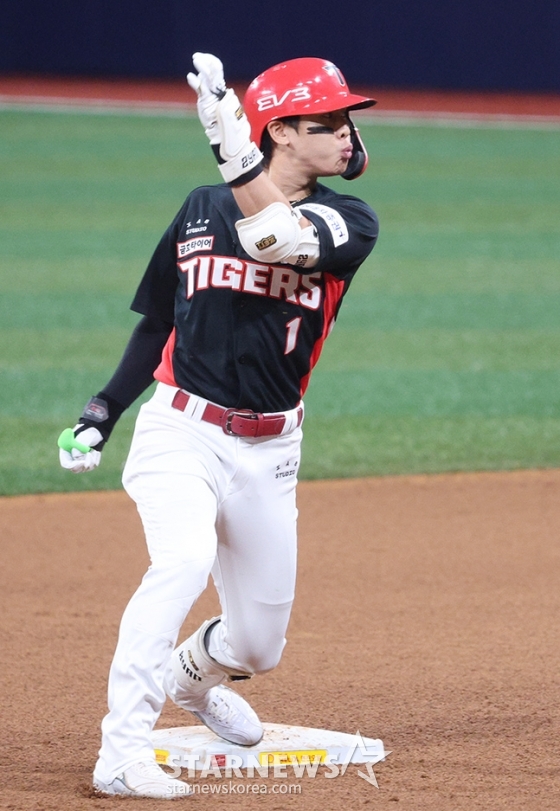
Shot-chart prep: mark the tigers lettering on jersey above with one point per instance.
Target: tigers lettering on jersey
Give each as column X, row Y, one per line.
column 274, row 281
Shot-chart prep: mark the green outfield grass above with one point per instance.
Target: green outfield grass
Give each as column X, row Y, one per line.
column 446, row 355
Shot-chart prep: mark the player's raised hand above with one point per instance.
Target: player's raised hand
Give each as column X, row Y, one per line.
column 241, row 158
column 77, row 448
column 210, row 87
column 224, row 121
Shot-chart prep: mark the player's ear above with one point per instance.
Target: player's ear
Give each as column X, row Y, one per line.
column 278, row 131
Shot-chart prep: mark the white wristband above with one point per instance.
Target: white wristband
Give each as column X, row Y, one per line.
column 241, row 164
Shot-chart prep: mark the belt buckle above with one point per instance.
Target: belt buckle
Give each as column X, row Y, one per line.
column 230, row 413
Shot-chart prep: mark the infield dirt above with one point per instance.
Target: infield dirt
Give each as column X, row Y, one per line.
column 426, row 615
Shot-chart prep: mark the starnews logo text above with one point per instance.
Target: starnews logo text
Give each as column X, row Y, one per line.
column 232, row 766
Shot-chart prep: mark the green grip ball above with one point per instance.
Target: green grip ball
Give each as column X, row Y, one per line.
column 67, row 441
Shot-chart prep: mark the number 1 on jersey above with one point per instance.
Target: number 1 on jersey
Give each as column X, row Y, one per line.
column 292, row 328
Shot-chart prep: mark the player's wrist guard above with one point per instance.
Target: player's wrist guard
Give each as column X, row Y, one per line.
column 239, row 158
column 102, row 412
column 241, row 169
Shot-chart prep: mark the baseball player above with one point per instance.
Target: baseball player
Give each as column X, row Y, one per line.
column 236, row 303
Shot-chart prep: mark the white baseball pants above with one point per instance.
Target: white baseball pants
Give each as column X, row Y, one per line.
column 210, row 504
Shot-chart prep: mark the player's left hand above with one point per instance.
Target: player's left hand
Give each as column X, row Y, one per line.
column 210, row 87
column 80, row 460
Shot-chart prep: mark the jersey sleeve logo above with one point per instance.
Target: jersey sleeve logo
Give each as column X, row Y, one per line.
column 193, row 245
column 333, row 220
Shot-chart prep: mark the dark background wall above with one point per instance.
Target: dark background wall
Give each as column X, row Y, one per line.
column 463, row 44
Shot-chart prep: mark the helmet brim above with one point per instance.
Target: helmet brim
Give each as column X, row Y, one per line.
column 359, row 102
column 348, row 101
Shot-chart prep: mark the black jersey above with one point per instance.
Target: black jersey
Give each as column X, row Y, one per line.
column 247, row 334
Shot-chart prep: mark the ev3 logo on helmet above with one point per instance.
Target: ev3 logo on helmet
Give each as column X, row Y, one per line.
column 272, row 100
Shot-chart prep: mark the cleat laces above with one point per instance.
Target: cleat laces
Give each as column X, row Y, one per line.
column 150, row 769
column 222, row 710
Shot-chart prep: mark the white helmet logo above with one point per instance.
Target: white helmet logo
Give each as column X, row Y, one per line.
column 272, row 100
column 332, row 70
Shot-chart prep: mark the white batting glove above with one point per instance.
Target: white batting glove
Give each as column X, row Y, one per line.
column 77, row 461
column 241, row 156
column 210, row 86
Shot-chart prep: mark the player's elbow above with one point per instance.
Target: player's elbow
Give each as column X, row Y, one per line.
column 271, row 234
column 274, row 236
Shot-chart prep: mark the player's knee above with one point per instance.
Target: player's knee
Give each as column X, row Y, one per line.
column 261, row 658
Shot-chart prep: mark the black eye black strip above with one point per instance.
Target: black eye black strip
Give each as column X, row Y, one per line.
column 319, row 128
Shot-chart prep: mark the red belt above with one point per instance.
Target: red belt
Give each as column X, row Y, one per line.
column 238, row 422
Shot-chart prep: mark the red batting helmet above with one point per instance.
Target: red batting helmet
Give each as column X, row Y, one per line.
column 304, row 86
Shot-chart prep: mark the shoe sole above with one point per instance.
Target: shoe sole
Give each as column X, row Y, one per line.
column 107, row 791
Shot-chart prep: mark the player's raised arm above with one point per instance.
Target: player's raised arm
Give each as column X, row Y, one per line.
column 229, row 132
column 271, row 230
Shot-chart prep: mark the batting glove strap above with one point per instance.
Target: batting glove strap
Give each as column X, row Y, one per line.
column 102, row 413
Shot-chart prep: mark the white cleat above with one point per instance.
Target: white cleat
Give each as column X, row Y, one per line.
column 194, row 682
column 145, row 779
column 228, row 715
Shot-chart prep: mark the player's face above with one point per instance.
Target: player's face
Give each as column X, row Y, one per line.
column 323, row 143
